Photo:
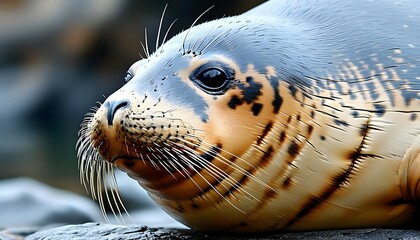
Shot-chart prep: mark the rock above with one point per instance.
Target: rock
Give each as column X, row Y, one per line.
column 91, row 231
column 152, row 217
column 27, row 203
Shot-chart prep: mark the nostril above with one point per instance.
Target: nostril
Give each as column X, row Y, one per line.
column 113, row 107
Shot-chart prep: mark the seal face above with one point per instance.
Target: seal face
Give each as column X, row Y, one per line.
column 296, row 115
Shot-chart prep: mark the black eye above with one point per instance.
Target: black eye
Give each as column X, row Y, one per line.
column 212, row 80
column 128, row 77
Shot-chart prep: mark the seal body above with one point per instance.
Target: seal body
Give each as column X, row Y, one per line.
column 295, row 115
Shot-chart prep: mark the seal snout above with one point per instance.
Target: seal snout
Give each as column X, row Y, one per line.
column 113, row 106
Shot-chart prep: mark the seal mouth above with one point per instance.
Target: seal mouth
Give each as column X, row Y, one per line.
column 149, row 163
column 124, row 158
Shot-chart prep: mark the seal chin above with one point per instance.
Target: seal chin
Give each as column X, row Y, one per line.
column 140, row 170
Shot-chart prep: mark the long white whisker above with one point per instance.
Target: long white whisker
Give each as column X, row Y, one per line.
column 217, row 172
column 167, row 32
column 236, row 166
column 115, row 189
column 192, row 165
column 192, row 25
column 144, row 49
column 104, row 179
column 147, row 45
column 160, row 27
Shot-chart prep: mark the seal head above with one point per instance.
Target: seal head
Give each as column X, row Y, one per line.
column 279, row 118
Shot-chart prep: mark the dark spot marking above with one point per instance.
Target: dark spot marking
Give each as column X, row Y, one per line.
column 298, row 117
column 282, row 136
column 379, row 109
column 287, row 182
column 265, row 132
column 293, row 149
column 256, row 108
column 339, row 122
column 270, row 193
column 243, row 180
column 195, row 206
column 355, row 114
column 212, row 153
column 372, row 90
column 292, row 90
column 266, row 157
column 277, row 102
column 250, row 93
column 181, row 209
column 410, row 95
column 310, row 129
column 312, row 203
column 237, row 185
column 312, row 114
column 234, row 102
column 413, row 117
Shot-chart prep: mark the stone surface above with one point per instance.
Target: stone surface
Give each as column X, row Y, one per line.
column 91, row 231
column 151, row 217
column 27, row 203
column 32, row 210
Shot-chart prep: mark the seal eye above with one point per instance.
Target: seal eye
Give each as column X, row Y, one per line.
column 212, row 80
column 128, row 77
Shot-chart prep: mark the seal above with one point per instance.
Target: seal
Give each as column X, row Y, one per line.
column 295, row 115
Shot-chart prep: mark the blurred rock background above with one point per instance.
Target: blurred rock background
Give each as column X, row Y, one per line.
column 58, row 58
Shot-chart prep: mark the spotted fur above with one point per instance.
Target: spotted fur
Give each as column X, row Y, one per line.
column 314, row 124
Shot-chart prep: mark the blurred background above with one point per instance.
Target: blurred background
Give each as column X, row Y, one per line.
column 58, row 58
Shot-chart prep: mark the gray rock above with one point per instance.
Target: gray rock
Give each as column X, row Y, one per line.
column 151, row 217
column 92, row 231
column 27, row 203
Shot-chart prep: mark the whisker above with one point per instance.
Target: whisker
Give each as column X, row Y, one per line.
column 99, row 188
column 218, row 172
column 116, row 190
column 199, row 45
column 147, row 45
column 174, row 164
column 192, row 25
column 141, row 55
column 167, row 32
column 144, row 49
column 192, row 164
column 160, row 27
column 105, row 189
column 227, row 162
